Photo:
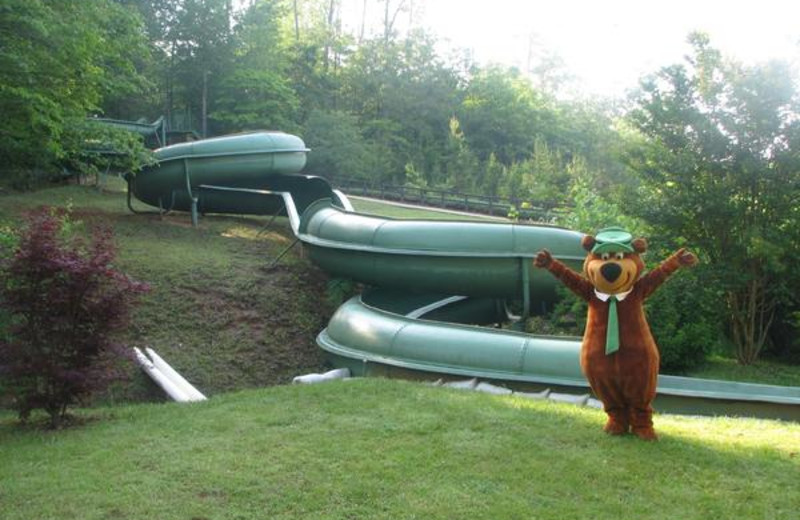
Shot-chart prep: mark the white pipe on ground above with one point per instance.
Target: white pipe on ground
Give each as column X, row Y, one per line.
column 186, row 387
column 161, row 380
column 339, row 373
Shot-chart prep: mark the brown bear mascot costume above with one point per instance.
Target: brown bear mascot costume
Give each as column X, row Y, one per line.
column 618, row 356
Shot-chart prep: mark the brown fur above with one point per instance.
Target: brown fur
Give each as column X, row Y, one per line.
column 624, row 381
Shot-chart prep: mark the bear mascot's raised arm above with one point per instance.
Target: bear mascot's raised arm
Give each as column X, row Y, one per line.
column 618, row 355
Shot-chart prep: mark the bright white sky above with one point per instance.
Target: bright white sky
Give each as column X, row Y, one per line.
column 609, row 44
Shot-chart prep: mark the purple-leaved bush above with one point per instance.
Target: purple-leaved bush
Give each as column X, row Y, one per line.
column 63, row 300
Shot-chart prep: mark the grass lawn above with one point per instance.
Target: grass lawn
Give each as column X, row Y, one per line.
column 386, row 449
column 763, row 371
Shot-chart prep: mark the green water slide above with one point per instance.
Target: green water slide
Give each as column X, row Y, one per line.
column 441, row 293
column 440, row 289
column 218, row 175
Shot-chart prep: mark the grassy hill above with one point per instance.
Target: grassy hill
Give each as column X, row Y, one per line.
column 382, row 449
column 217, row 311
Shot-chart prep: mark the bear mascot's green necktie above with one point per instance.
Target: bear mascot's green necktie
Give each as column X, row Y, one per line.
column 612, row 240
column 612, row 330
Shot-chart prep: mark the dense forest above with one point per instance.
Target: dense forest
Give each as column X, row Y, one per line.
column 705, row 153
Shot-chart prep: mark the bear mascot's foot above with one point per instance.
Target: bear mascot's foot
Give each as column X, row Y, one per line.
column 617, row 424
column 646, row 434
column 641, row 420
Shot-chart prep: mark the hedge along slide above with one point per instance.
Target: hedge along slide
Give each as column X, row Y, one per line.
column 438, row 289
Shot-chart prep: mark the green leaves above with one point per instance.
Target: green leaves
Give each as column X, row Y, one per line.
column 57, row 62
column 716, row 169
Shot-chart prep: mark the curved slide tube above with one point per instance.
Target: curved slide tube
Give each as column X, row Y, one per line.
column 438, row 280
column 372, row 338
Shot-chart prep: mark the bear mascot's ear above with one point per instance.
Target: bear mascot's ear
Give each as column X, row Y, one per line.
column 639, row 245
column 588, row 242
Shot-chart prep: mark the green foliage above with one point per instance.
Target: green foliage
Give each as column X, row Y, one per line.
column 719, row 171
column 494, row 172
column 414, row 178
column 254, row 100
column 257, row 92
column 569, row 313
column 502, row 114
column 94, row 149
column 339, row 290
column 404, row 96
column 338, row 147
column 513, row 214
column 461, row 164
column 686, row 320
column 57, row 62
column 543, row 177
column 592, row 211
column 8, row 240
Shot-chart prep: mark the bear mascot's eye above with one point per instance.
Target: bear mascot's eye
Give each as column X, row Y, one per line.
column 605, row 256
column 620, row 256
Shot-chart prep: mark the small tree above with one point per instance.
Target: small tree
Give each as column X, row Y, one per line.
column 64, row 299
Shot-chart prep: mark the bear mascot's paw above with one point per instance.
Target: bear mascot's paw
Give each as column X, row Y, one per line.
column 543, row 258
column 686, row 258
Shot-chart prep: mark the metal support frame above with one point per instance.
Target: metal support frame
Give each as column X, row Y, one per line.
column 130, row 200
column 283, row 253
column 526, row 287
column 189, row 192
column 518, row 322
column 271, row 220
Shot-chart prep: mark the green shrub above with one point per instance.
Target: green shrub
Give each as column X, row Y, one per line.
column 686, row 317
column 92, row 148
column 339, row 290
column 569, row 314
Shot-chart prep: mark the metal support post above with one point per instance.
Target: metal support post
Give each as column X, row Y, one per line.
column 283, row 253
column 526, row 288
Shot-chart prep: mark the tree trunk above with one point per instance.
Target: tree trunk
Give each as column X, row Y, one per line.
column 363, row 22
column 386, row 27
column 388, row 23
column 204, row 106
column 296, row 23
column 329, row 36
column 752, row 312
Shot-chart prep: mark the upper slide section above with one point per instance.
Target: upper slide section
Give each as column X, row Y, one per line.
column 447, row 257
column 235, row 161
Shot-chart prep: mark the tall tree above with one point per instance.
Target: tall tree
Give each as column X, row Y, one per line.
column 502, row 114
column 404, row 95
column 194, row 39
column 720, row 168
column 257, row 91
column 58, row 62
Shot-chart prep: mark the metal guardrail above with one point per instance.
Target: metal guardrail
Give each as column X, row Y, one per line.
column 540, row 211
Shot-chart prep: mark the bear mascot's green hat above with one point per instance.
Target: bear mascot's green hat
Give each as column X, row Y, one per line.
column 612, row 240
